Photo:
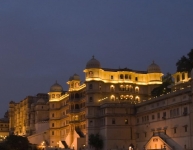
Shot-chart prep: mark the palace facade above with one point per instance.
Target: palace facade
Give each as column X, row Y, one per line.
column 114, row 103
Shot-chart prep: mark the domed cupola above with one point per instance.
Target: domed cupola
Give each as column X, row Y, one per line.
column 41, row 101
column 71, row 78
column 56, row 88
column 74, row 77
column 93, row 63
column 74, row 82
column 154, row 68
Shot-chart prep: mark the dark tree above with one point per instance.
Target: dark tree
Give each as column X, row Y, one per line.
column 3, row 146
column 15, row 142
column 164, row 88
column 185, row 63
column 95, row 141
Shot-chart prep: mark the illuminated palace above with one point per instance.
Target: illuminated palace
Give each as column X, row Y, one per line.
column 114, row 103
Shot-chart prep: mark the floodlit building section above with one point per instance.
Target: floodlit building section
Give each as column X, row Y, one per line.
column 114, row 103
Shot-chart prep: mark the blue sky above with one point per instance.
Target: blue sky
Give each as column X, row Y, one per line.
column 44, row 41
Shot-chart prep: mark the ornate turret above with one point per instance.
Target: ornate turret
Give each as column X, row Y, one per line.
column 55, row 91
column 74, row 82
column 56, row 88
column 93, row 63
column 154, row 68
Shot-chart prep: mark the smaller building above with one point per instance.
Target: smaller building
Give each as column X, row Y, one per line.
column 4, row 127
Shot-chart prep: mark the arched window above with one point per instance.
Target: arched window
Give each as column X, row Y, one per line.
column 178, row 78
column 76, row 95
column 127, row 88
column 72, row 96
column 72, row 85
column 76, row 117
column 183, row 76
column 90, row 86
column 91, row 74
column 53, row 95
column 130, row 88
column 137, row 98
column 136, row 89
column 90, row 99
column 76, row 84
column 126, row 76
column 122, row 87
column 52, row 124
column 112, row 88
column 112, row 97
column 76, row 106
column 121, row 76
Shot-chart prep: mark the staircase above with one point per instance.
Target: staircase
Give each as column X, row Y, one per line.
column 65, row 144
column 79, row 132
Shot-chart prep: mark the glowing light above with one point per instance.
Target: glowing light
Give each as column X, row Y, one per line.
column 102, row 99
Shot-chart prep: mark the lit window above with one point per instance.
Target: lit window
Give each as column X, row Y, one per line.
column 112, row 97
column 137, row 89
column 126, row 121
column 112, row 88
column 90, row 74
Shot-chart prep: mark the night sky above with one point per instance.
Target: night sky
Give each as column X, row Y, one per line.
column 44, row 41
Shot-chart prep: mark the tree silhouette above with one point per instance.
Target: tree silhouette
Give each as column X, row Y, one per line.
column 95, row 141
column 185, row 63
column 15, row 142
column 164, row 87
